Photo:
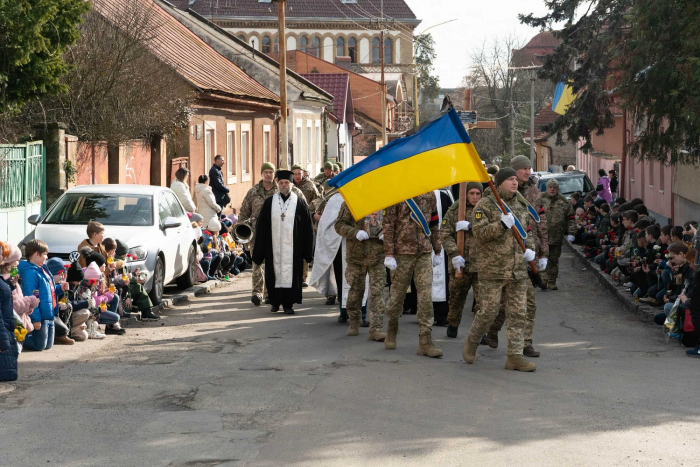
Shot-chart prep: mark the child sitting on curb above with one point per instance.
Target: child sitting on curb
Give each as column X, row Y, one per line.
column 81, row 306
column 136, row 293
column 63, row 311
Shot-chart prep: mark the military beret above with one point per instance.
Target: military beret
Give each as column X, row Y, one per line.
column 492, row 170
column 296, row 166
column 267, row 166
column 520, row 162
column 328, row 165
column 504, row 174
column 475, row 186
column 553, row 183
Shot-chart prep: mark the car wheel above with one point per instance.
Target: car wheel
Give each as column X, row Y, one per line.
column 186, row 280
column 158, row 282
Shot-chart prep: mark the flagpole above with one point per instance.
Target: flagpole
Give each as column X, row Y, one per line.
column 461, row 214
column 512, row 228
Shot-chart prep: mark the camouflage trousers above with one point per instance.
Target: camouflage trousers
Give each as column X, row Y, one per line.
column 552, row 272
column 531, row 310
column 420, row 268
column 491, row 294
column 259, row 280
column 459, row 289
column 305, row 271
column 355, row 274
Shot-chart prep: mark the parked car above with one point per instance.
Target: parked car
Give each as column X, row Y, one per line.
column 569, row 182
column 149, row 218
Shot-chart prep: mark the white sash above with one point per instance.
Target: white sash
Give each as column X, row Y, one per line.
column 283, row 239
column 439, row 279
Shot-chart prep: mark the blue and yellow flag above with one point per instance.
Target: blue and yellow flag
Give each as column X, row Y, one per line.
column 439, row 155
column 563, row 97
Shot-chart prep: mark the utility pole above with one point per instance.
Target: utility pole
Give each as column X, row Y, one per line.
column 382, row 83
column 284, row 130
column 533, row 77
column 416, row 107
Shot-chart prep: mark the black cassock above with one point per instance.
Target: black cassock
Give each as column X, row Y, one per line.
column 303, row 250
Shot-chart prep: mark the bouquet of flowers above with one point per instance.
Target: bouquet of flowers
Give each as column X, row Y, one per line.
column 20, row 331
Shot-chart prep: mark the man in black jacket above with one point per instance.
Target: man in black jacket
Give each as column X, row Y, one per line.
column 216, row 182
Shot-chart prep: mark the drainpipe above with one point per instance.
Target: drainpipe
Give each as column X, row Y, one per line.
column 338, row 139
column 622, row 183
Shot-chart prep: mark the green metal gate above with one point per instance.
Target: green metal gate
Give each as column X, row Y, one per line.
column 22, row 180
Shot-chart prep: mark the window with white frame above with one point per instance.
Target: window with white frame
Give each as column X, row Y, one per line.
column 297, row 144
column 245, row 152
column 266, row 143
column 231, row 152
column 309, row 142
column 318, row 141
column 209, row 143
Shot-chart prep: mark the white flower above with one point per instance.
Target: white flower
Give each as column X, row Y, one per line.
column 657, row 247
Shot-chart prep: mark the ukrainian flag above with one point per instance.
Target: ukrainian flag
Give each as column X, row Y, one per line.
column 439, row 155
column 563, row 97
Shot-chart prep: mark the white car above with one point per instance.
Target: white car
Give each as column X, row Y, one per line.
column 150, row 219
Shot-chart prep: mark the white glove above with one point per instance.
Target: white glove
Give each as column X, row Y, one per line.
column 437, row 260
column 91, row 303
column 390, row 263
column 508, row 220
column 458, row 262
column 362, row 235
column 570, row 238
column 542, row 264
column 529, row 255
column 381, row 238
column 463, row 225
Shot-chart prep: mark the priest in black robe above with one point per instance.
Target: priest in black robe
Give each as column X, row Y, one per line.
column 283, row 241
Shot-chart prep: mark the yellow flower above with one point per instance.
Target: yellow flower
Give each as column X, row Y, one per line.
column 110, row 260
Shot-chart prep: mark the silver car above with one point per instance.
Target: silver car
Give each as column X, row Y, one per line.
column 150, row 219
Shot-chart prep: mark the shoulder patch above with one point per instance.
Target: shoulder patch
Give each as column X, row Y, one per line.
column 384, row 212
column 444, row 222
column 478, row 213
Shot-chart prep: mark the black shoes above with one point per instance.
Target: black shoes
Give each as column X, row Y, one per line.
column 330, row 300
column 451, row 331
column 275, row 308
column 365, row 323
column 148, row 315
column 267, row 300
column 116, row 332
column 255, row 299
column 288, row 311
column 304, row 285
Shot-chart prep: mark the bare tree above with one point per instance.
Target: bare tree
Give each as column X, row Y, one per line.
column 117, row 89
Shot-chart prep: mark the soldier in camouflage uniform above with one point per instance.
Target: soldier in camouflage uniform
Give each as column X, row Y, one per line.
column 250, row 208
column 502, row 271
column 364, row 252
column 407, row 249
column 561, row 221
column 321, row 178
column 538, row 231
column 459, row 286
column 310, row 193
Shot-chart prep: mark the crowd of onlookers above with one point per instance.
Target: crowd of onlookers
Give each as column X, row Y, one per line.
column 46, row 301
column 657, row 264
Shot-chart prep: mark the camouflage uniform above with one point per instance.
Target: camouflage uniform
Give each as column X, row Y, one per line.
column 538, row 232
column 310, row 193
column 250, row 208
column 502, row 272
column 363, row 257
column 320, row 182
column 561, row 221
column 459, row 287
column 405, row 240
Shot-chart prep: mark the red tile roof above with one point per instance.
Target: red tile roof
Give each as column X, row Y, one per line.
column 337, row 84
column 545, row 117
column 363, row 9
column 542, row 44
column 189, row 56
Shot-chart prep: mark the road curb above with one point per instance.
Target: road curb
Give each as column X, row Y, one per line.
column 643, row 311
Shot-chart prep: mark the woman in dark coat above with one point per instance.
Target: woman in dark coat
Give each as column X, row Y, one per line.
column 8, row 344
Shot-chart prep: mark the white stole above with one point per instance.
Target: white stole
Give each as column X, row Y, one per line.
column 283, row 239
column 439, row 279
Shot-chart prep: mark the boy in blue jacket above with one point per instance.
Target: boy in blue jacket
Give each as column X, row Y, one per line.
column 37, row 280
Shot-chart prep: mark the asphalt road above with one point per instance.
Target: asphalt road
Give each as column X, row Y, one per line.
column 221, row 383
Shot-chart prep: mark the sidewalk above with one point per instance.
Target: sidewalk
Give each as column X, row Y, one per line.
column 643, row 311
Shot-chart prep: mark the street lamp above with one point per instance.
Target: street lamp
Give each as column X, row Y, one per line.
column 416, row 109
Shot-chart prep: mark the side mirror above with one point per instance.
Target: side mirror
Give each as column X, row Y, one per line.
column 33, row 219
column 171, row 222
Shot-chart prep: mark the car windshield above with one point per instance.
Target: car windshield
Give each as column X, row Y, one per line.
column 108, row 209
column 568, row 185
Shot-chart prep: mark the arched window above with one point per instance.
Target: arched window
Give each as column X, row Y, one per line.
column 339, row 47
column 277, row 44
column 266, row 44
column 303, row 42
column 352, row 49
column 241, row 37
column 316, row 43
column 375, row 50
column 388, row 49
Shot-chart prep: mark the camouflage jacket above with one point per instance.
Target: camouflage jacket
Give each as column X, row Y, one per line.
column 320, row 181
column 403, row 236
column 538, row 230
column 500, row 257
column 309, row 189
column 254, row 200
column 360, row 252
column 448, row 237
column 561, row 220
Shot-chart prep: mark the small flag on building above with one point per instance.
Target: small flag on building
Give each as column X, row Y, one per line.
column 439, row 155
column 563, row 97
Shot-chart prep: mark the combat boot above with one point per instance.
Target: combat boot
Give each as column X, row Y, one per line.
column 518, row 362
column 354, row 328
column 492, row 341
column 391, row 332
column 426, row 346
column 469, row 351
column 552, row 286
column 376, row 335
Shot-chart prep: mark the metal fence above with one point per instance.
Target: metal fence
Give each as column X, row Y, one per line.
column 21, row 174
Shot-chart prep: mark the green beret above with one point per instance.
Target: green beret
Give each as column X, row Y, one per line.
column 475, row 186
column 520, row 162
column 492, row 170
column 328, row 165
column 504, row 174
column 296, row 166
column 267, row 166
